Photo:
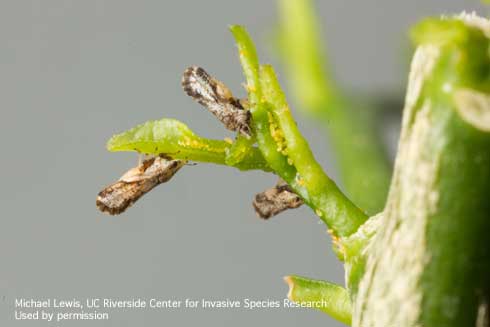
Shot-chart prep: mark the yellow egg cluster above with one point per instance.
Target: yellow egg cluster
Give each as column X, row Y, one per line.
column 277, row 135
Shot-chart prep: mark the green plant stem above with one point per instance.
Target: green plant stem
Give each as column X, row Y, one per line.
column 250, row 62
column 267, row 145
column 272, row 121
column 353, row 251
column 429, row 263
column 352, row 129
column 340, row 214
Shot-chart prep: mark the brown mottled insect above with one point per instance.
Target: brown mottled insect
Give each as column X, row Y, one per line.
column 217, row 98
column 136, row 182
column 275, row 200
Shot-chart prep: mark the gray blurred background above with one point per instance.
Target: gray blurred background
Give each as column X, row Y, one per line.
column 72, row 73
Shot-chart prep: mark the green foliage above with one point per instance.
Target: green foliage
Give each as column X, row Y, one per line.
column 327, row 297
column 285, row 149
column 175, row 139
column 351, row 125
column 250, row 62
column 281, row 147
column 341, row 215
column 277, row 145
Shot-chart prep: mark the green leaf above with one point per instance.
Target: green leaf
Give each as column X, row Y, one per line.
column 327, row 297
column 175, row 139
